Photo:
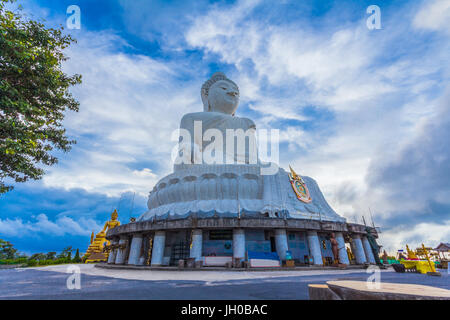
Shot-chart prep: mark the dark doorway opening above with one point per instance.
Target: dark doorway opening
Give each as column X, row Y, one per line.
column 179, row 251
column 273, row 247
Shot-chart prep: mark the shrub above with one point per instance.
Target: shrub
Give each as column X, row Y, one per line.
column 61, row 261
column 46, row 262
column 22, row 260
column 32, row 263
column 13, row 261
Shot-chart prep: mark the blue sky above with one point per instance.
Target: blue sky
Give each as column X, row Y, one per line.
column 364, row 112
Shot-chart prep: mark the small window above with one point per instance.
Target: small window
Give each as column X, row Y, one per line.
column 221, row 235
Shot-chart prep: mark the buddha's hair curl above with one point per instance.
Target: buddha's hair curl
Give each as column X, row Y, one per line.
column 205, row 88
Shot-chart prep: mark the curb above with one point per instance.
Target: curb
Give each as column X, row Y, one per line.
column 130, row 267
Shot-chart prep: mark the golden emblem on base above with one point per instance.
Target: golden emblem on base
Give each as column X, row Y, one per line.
column 299, row 186
column 98, row 249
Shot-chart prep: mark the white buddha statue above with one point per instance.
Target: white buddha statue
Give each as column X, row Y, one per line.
column 235, row 182
column 201, row 132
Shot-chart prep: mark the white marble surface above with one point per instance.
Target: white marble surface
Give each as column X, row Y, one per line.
column 343, row 256
column 226, row 189
column 368, row 250
column 197, row 244
column 135, row 249
column 358, row 250
column 314, row 247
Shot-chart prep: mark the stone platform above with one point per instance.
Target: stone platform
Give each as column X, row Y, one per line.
column 360, row 290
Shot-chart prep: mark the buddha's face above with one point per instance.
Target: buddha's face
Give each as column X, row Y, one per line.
column 223, row 97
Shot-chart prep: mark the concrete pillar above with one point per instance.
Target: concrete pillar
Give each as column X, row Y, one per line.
column 360, row 256
column 113, row 252
column 159, row 243
column 343, row 257
column 368, row 250
column 120, row 257
column 281, row 243
column 135, row 249
column 239, row 243
column 352, row 247
column 314, row 247
column 197, row 244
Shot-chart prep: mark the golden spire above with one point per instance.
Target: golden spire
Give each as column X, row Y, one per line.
column 294, row 175
column 114, row 215
column 92, row 237
column 411, row 253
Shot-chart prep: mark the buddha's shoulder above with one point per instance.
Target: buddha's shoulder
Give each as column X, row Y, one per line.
column 248, row 122
column 189, row 118
column 196, row 116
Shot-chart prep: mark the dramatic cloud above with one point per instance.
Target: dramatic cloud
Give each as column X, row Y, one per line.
column 130, row 104
column 413, row 183
column 41, row 225
column 427, row 233
column 364, row 112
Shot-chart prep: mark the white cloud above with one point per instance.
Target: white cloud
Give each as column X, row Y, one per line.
column 433, row 15
column 43, row 226
column 130, row 104
column 431, row 234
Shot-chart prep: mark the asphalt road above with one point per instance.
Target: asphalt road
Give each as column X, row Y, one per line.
column 37, row 284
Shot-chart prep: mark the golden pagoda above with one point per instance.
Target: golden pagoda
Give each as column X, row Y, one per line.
column 95, row 252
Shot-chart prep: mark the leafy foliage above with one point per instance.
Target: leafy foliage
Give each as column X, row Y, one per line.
column 34, row 95
column 10, row 256
column 50, row 256
column 38, row 256
column 66, row 253
column 77, row 258
column 7, row 250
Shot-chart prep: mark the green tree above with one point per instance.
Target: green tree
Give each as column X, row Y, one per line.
column 50, row 256
column 38, row 256
column 34, row 96
column 77, row 258
column 66, row 253
column 7, row 250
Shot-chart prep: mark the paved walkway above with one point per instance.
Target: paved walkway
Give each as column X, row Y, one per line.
column 50, row 283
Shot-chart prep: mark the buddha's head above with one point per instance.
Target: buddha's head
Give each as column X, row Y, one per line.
column 114, row 215
column 220, row 94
